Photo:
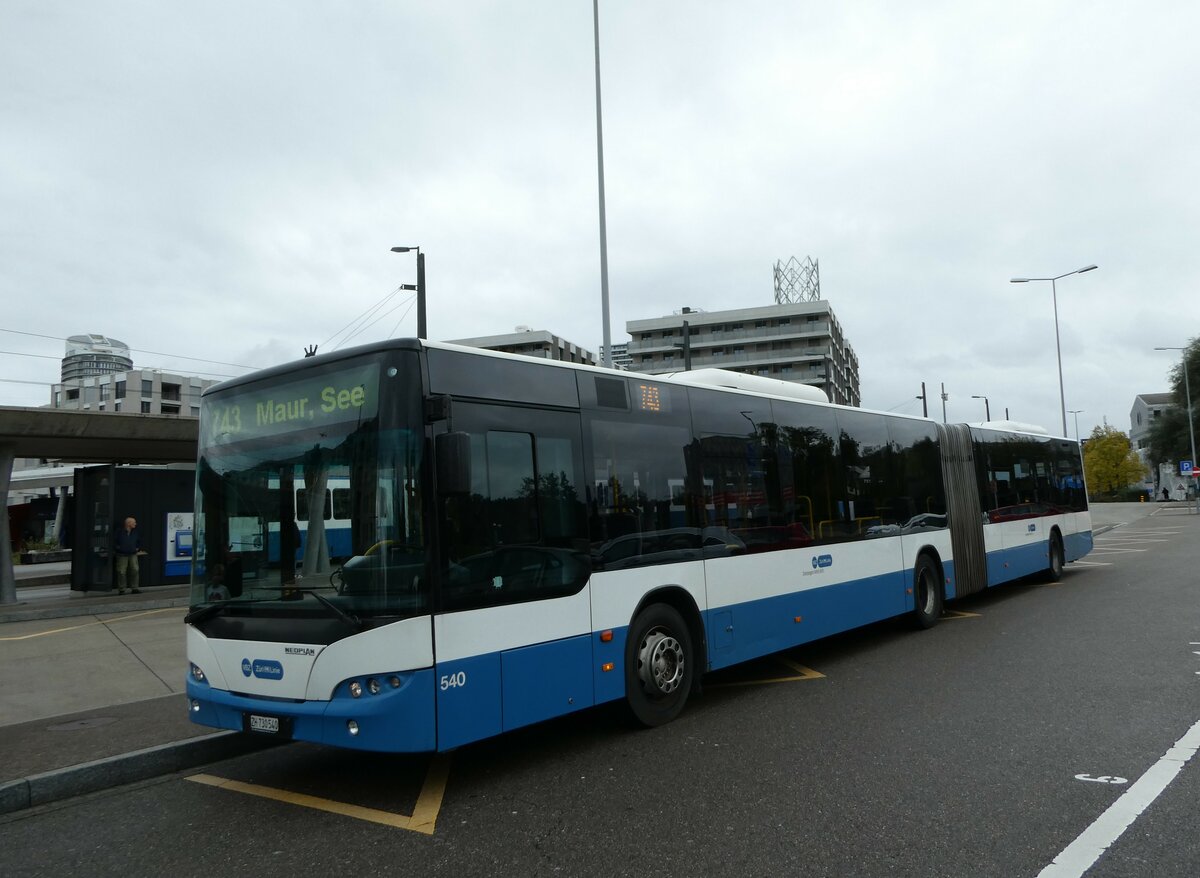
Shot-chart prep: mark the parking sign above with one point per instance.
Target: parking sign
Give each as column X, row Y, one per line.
column 1185, row 467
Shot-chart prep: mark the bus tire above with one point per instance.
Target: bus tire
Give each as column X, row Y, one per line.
column 1058, row 558
column 927, row 592
column 659, row 665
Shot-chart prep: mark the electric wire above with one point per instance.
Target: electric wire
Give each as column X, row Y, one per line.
column 138, row 350
column 363, row 316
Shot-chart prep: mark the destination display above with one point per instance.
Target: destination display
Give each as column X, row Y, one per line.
column 327, row 399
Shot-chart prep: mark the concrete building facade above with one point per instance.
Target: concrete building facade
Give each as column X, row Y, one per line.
column 531, row 343
column 139, row 391
column 801, row 342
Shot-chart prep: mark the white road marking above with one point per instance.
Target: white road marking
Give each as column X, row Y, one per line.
column 1092, row 563
column 1081, row 854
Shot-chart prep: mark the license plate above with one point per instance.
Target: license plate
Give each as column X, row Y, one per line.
column 267, row 724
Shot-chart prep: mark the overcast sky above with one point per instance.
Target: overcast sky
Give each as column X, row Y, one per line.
column 223, row 181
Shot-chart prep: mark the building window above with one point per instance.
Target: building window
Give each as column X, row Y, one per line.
column 145, row 406
column 120, row 394
column 104, row 389
column 73, row 393
column 170, row 409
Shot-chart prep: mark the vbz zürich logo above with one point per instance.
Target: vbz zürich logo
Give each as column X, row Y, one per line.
column 264, row 669
column 820, row 561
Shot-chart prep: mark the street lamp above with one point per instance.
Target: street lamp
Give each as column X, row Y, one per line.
column 1188, row 392
column 422, row 329
column 1062, row 396
column 1076, row 413
column 987, row 409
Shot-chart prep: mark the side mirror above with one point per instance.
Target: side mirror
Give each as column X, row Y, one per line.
column 452, row 452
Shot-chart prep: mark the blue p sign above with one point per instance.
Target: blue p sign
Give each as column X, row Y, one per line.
column 1185, row 467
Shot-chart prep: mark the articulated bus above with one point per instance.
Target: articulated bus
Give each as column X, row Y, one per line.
column 520, row 539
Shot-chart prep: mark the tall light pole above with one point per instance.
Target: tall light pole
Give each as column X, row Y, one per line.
column 1187, row 392
column 607, row 359
column 1062, row 396
column 422, row 329
column 1076, row 413
column 987, row 409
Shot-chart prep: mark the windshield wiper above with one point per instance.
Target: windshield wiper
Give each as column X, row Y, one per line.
column 348, row 618
column 207, row 611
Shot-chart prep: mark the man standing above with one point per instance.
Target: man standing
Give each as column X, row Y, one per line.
column 128, row 547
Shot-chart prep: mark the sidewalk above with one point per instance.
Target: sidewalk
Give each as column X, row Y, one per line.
column 91, row 691
column 91, row 684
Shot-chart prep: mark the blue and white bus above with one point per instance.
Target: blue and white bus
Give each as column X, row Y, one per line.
column 525, row 538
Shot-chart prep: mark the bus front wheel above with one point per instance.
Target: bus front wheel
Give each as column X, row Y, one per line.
column 927, row 592
column 1057, row 558
column 659, row 665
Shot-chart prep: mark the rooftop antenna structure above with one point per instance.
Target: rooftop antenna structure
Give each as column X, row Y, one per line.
column 797, row 281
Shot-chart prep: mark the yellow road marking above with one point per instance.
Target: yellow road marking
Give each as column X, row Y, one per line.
column 90, row 624
column 803, row 672
column 961, row 614
column 423, row 819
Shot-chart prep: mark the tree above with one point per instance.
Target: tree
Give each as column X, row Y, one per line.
column 1170, row 439
column 1109, row 462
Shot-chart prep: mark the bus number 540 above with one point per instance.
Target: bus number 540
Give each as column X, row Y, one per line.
column 454, row 681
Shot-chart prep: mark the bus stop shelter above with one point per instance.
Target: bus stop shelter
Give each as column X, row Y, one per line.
column 83, row 437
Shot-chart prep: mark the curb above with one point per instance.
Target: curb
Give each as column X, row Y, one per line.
column 89, row 609
column 113, row 771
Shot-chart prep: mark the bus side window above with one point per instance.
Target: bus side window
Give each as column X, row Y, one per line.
column 518, row 534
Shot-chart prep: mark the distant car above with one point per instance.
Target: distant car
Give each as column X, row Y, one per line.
column 667, row 546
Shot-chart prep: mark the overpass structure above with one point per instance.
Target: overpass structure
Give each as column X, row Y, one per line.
column 83, row 437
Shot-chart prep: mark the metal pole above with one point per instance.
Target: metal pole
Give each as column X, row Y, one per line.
column 1191, row 426
column 8, row 582
column 924, row 401
column 607, row 358
column 687, row 347
column 987, row 409
column 422, row 327
column 943, row 402
column 1062, row 394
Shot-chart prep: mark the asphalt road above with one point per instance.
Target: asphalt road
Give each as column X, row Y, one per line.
column 885, row 752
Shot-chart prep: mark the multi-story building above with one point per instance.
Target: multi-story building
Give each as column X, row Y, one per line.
column 144, row 391
column 620, row 356
column 91, row 354
column 1147, row 408
column 531, row 343
column 801, row 342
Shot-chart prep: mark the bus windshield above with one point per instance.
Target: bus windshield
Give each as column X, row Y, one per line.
column 308, row 494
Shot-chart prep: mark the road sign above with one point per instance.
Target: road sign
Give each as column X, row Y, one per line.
column 1185, row 467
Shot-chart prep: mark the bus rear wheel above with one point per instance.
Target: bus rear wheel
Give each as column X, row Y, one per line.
column 659, row 665
column 927, row 592
column 1057, row 558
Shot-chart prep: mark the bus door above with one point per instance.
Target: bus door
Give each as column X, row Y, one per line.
column 513, row 629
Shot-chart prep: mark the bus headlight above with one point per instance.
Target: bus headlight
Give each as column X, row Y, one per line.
column 373, row 686
column 197, row 674
column 355, row 689
column 352, row 727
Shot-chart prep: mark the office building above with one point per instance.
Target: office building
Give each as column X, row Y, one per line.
column 795, row 341
column 531, row 343
column 91, row 354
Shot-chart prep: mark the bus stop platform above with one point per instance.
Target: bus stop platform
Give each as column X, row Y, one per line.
column 92, row 691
